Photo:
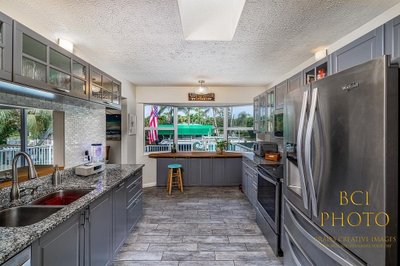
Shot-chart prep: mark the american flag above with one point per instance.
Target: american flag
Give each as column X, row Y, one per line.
column 153, row 136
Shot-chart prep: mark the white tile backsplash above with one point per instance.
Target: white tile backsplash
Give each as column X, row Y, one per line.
column 84, row 123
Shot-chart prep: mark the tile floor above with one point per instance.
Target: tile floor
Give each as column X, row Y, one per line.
column 202, row 226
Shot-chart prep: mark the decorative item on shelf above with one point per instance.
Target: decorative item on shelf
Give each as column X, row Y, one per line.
column 173, row 148
column 310, row 77
column 201, row 93
column 321, row 73
column 221, row 145
column 273, row 156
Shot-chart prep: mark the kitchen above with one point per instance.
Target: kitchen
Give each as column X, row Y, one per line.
column 282, row 154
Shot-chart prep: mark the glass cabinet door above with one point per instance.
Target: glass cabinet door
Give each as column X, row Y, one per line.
column 116, row 97
column 6, row 36
column 79, row 85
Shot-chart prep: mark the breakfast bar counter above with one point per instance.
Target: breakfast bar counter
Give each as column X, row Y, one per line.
column 202, row 168
column 198, row 154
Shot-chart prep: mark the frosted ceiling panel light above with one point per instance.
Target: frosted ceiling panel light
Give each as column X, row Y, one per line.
column 210, row 20
column 67, row 45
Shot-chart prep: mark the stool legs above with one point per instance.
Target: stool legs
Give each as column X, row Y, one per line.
column 170, row 181
column 180, row 181
column 170, row 177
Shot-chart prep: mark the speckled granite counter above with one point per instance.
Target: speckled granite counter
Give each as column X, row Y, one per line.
column 258, row 160
column 15, row 239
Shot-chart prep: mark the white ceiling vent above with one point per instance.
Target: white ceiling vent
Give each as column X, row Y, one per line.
column 210, row 20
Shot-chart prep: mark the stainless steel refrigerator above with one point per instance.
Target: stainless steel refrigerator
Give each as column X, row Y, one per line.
column 341, row 170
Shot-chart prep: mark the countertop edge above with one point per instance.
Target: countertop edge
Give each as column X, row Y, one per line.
column 5, row 257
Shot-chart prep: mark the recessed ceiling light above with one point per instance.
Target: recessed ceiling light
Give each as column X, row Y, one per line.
column 210, row 20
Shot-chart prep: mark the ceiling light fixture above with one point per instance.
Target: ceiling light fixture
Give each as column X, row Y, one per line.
column 320, row 54
column 201, row 89
column 67, row 45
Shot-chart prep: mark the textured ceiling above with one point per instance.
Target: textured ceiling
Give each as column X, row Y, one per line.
column 142, row 40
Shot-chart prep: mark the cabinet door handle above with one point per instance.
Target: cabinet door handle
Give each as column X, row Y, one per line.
column 63, row 90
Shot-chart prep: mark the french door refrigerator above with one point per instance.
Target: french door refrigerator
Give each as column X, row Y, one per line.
column 341, row 170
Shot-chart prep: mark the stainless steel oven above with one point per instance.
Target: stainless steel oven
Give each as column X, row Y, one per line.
column 269, row 197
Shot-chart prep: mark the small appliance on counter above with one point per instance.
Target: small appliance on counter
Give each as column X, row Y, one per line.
column 273, row 156
column 97, row 152
column 261, row 147
column 89, row 168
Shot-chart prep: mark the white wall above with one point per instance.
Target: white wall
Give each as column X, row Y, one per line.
column 179, row 95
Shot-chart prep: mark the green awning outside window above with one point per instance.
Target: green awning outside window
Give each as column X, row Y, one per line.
column 187, row 130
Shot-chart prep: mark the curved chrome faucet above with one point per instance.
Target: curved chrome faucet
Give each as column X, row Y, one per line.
column 15, row 192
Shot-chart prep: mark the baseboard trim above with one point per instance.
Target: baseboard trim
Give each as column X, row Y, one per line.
column 153, row 184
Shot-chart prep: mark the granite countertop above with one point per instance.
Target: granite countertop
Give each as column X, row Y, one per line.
column 199, row 154
column 259, row 160
column 15, row 239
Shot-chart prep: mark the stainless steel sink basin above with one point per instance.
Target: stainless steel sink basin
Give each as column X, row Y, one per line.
column 25, row 215
column 61, row 197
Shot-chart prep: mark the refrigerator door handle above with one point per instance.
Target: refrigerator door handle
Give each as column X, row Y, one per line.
column 307, row 152
column 300, row 149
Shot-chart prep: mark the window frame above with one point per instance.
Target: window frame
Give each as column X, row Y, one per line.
column 225, row 127
column 24, row 139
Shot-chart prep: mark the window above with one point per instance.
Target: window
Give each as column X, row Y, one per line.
column 197, row 128
column 29, row 130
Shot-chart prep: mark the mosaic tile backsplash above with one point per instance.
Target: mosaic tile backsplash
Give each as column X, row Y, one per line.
column 84, row 123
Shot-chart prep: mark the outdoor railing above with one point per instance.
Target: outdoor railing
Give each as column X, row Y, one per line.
column 39, row 154
column 191, row 147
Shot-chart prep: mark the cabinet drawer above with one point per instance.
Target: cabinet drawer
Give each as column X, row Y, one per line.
column 299, row 232
column 134, row 211
column 132, row 189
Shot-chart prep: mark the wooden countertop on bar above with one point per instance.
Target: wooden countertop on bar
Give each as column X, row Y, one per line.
column 199, row 154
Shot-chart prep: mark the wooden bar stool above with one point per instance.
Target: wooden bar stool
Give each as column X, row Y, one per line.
column 177, row 175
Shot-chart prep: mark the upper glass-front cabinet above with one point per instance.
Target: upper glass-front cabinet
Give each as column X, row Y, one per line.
column 104, row 89
column 43, row 64
column 5, row 47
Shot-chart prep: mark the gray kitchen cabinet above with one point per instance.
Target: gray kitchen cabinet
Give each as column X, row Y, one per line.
column 295, row 82
column 134, row 211
column 5, row 47
column 232, row 171
column 392, row 39
column 256, row 114
column 280, row 93
column 63, row 246
column 104, row 88
column 40, row 63
column 162, row 169
column 249, row 180
column 218, row 169
column 200, row 172
column 99, row 236
column 194, row 173
column 365, row 48
column 206, row 171
column 119, row 216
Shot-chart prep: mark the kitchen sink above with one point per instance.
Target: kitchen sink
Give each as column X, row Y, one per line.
column 25, row 215
column 61, row 197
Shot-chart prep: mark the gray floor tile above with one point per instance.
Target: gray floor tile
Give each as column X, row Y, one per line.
column 202, row 226
column 191, row 256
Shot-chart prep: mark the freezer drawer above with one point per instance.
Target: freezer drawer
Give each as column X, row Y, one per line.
column 311, row 245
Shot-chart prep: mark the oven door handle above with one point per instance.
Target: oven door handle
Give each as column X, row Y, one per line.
column 267, row 178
